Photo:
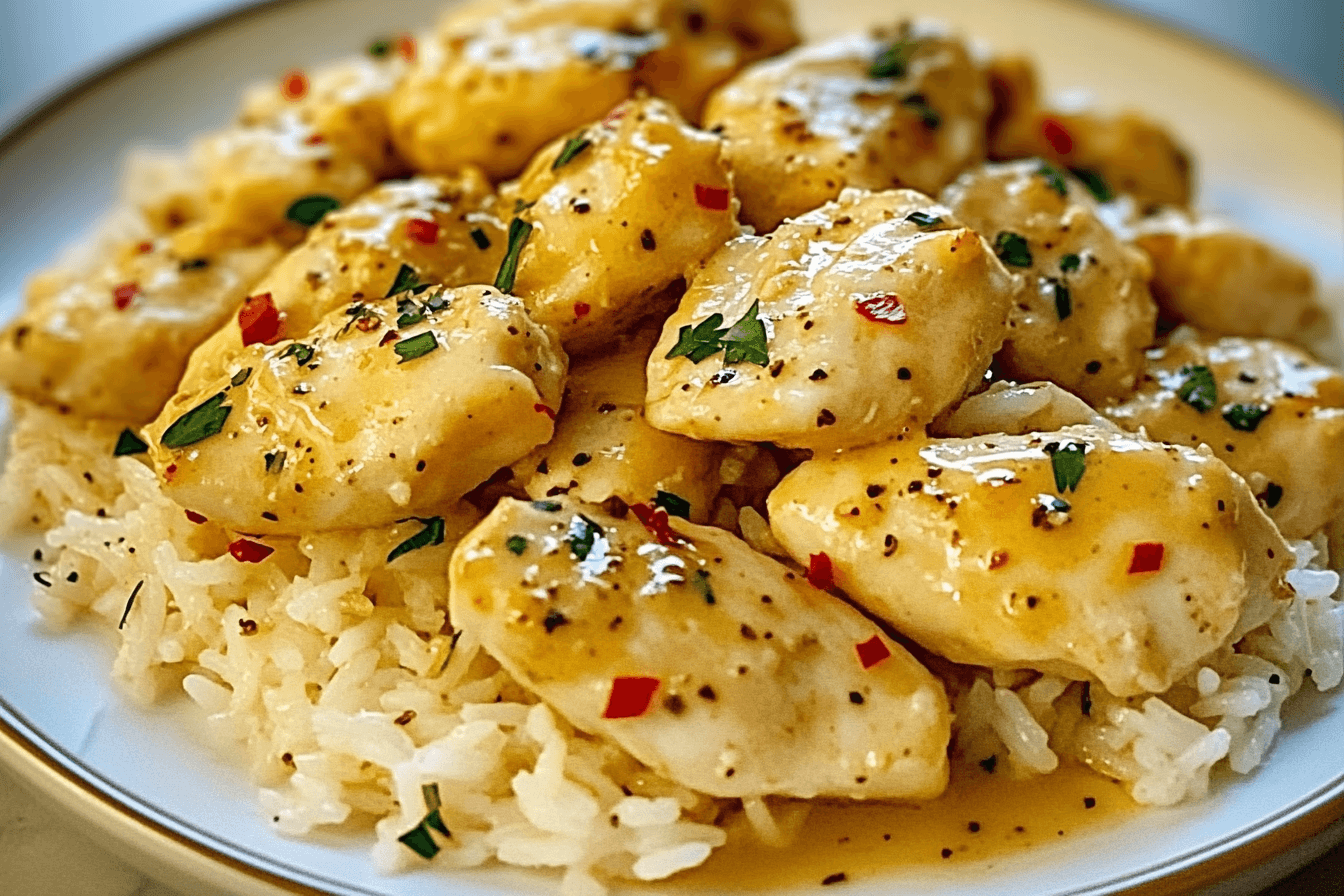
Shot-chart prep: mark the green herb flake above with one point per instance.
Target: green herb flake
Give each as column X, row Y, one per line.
column 1063, row 298
column 745, row 340
column 1069, row 461
column 430, row 794
column 1245, row 417
column 410, row 318
column 1012, row 249
column 700, row 581
column 199, row 423
column 546, row 506
column 1198, row 388
column 519, row 231
column 240, row 377
column 431, row 534
column 1095, row 183
column 380, row 48
column 516, row 544
column 893, row 61
column 583, row 534
column 308, row 210
column 1054, row 179
column 928, row 116
column 275, row 461
column 699, row 342
column 924, row 219
column 415, row 347
column 406, row 281
column 522, row 205
column 1070, row 263
column 300, row 352
column 129, row 443
column 478, row 236
column 573, row 146
column 675, row 505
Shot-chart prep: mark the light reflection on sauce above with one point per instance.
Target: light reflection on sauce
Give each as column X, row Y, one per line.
column 979, row 817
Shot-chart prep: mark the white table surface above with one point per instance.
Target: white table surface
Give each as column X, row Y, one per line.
column 43, row 43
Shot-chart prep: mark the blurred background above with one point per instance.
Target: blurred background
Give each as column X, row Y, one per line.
column 43, row 42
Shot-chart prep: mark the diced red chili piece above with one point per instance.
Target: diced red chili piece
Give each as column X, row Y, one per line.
column 406, row 47
column 389, row 336
column 145, row 247
column 367, row 324
column 195, row 517
column 316, row 140
column 421, row 231
column 882, row 309
column 294, row 85
column 259, row 320
column 1147, row 557
column 715, row 199
column 245, row 551
column 1060, row 140
column 656, row 520
column 543, row 409
column 820, row 572
column 630, row 697
column 581, row 310
column 872, row 651
column 169, row 472
column 122, row 295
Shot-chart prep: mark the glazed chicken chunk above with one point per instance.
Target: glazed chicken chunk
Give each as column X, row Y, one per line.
column 399, row 235
column 1270, row 411
column 856, row 323
column 388, row 409
column 717, row 667
column 1084, row 314
column 1085, row 552
column 902, row 107
column 618, row 211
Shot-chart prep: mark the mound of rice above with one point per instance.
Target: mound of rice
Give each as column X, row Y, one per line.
column 338, row 678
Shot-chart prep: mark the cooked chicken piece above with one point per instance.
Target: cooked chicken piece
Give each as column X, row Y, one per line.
column 1084, row 553
column 388, row 409
column 856, row 323
column 1125, row 153
column 1270, row 411
column 902, row 108
column 443, row 229
column 112, row 342
column 717, row 667
column 620, row 210
column 604, row 449
column 708, row 41
column 1016, row 409
column 1217, row 278
column 1084, row 314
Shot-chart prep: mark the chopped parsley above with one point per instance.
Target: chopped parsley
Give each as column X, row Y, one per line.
column 415, row 347
column 516, row 544
column 699, row 342
column 406, row 280
column 199, row 423
column 300, row 352
column 410, row 315
column 1245, row 417
column 419, row 839
column 1012, row 249
column 522, row 205
column 675, row 505
column 1095, row 183
column 701, row 583
column 275, row 461
column 519, row 231
column 928, row 116
column 546, row 506
column 1063, row 298
column 240, row 377
column 1198, row 388
column 1054, row 178
column 431, row 534
column 745, row 340
column 129, row 443
column 573, row 146
column 1070, row 263
column 308, row 210
column 893, row 61
column 1069, row 462
column 479, row 237
column 923, row 219
column 583, row 534
column 379, row 48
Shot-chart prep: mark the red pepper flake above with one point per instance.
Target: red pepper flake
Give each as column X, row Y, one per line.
column 169, row 472
column 630, row 697
column 581, row 310
column 614, row 116
column 1060, row 140
column 294, row 85
column 406, row 47
column 367, row 324
column 245, row 551
column 316, row 140
column 122, row 295
column 656, row 520
column 145, row 247
column 872, row 652
column 389, row 336
column 882, row 309
column 426, row 233
column 998, row 560
column 543, row 409
column 820, row 572
column 715, row 199
column 195, row 517
column 1147, row 557
column 259, row 320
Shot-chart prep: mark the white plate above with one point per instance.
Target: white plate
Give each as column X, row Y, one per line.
column 144, row 778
